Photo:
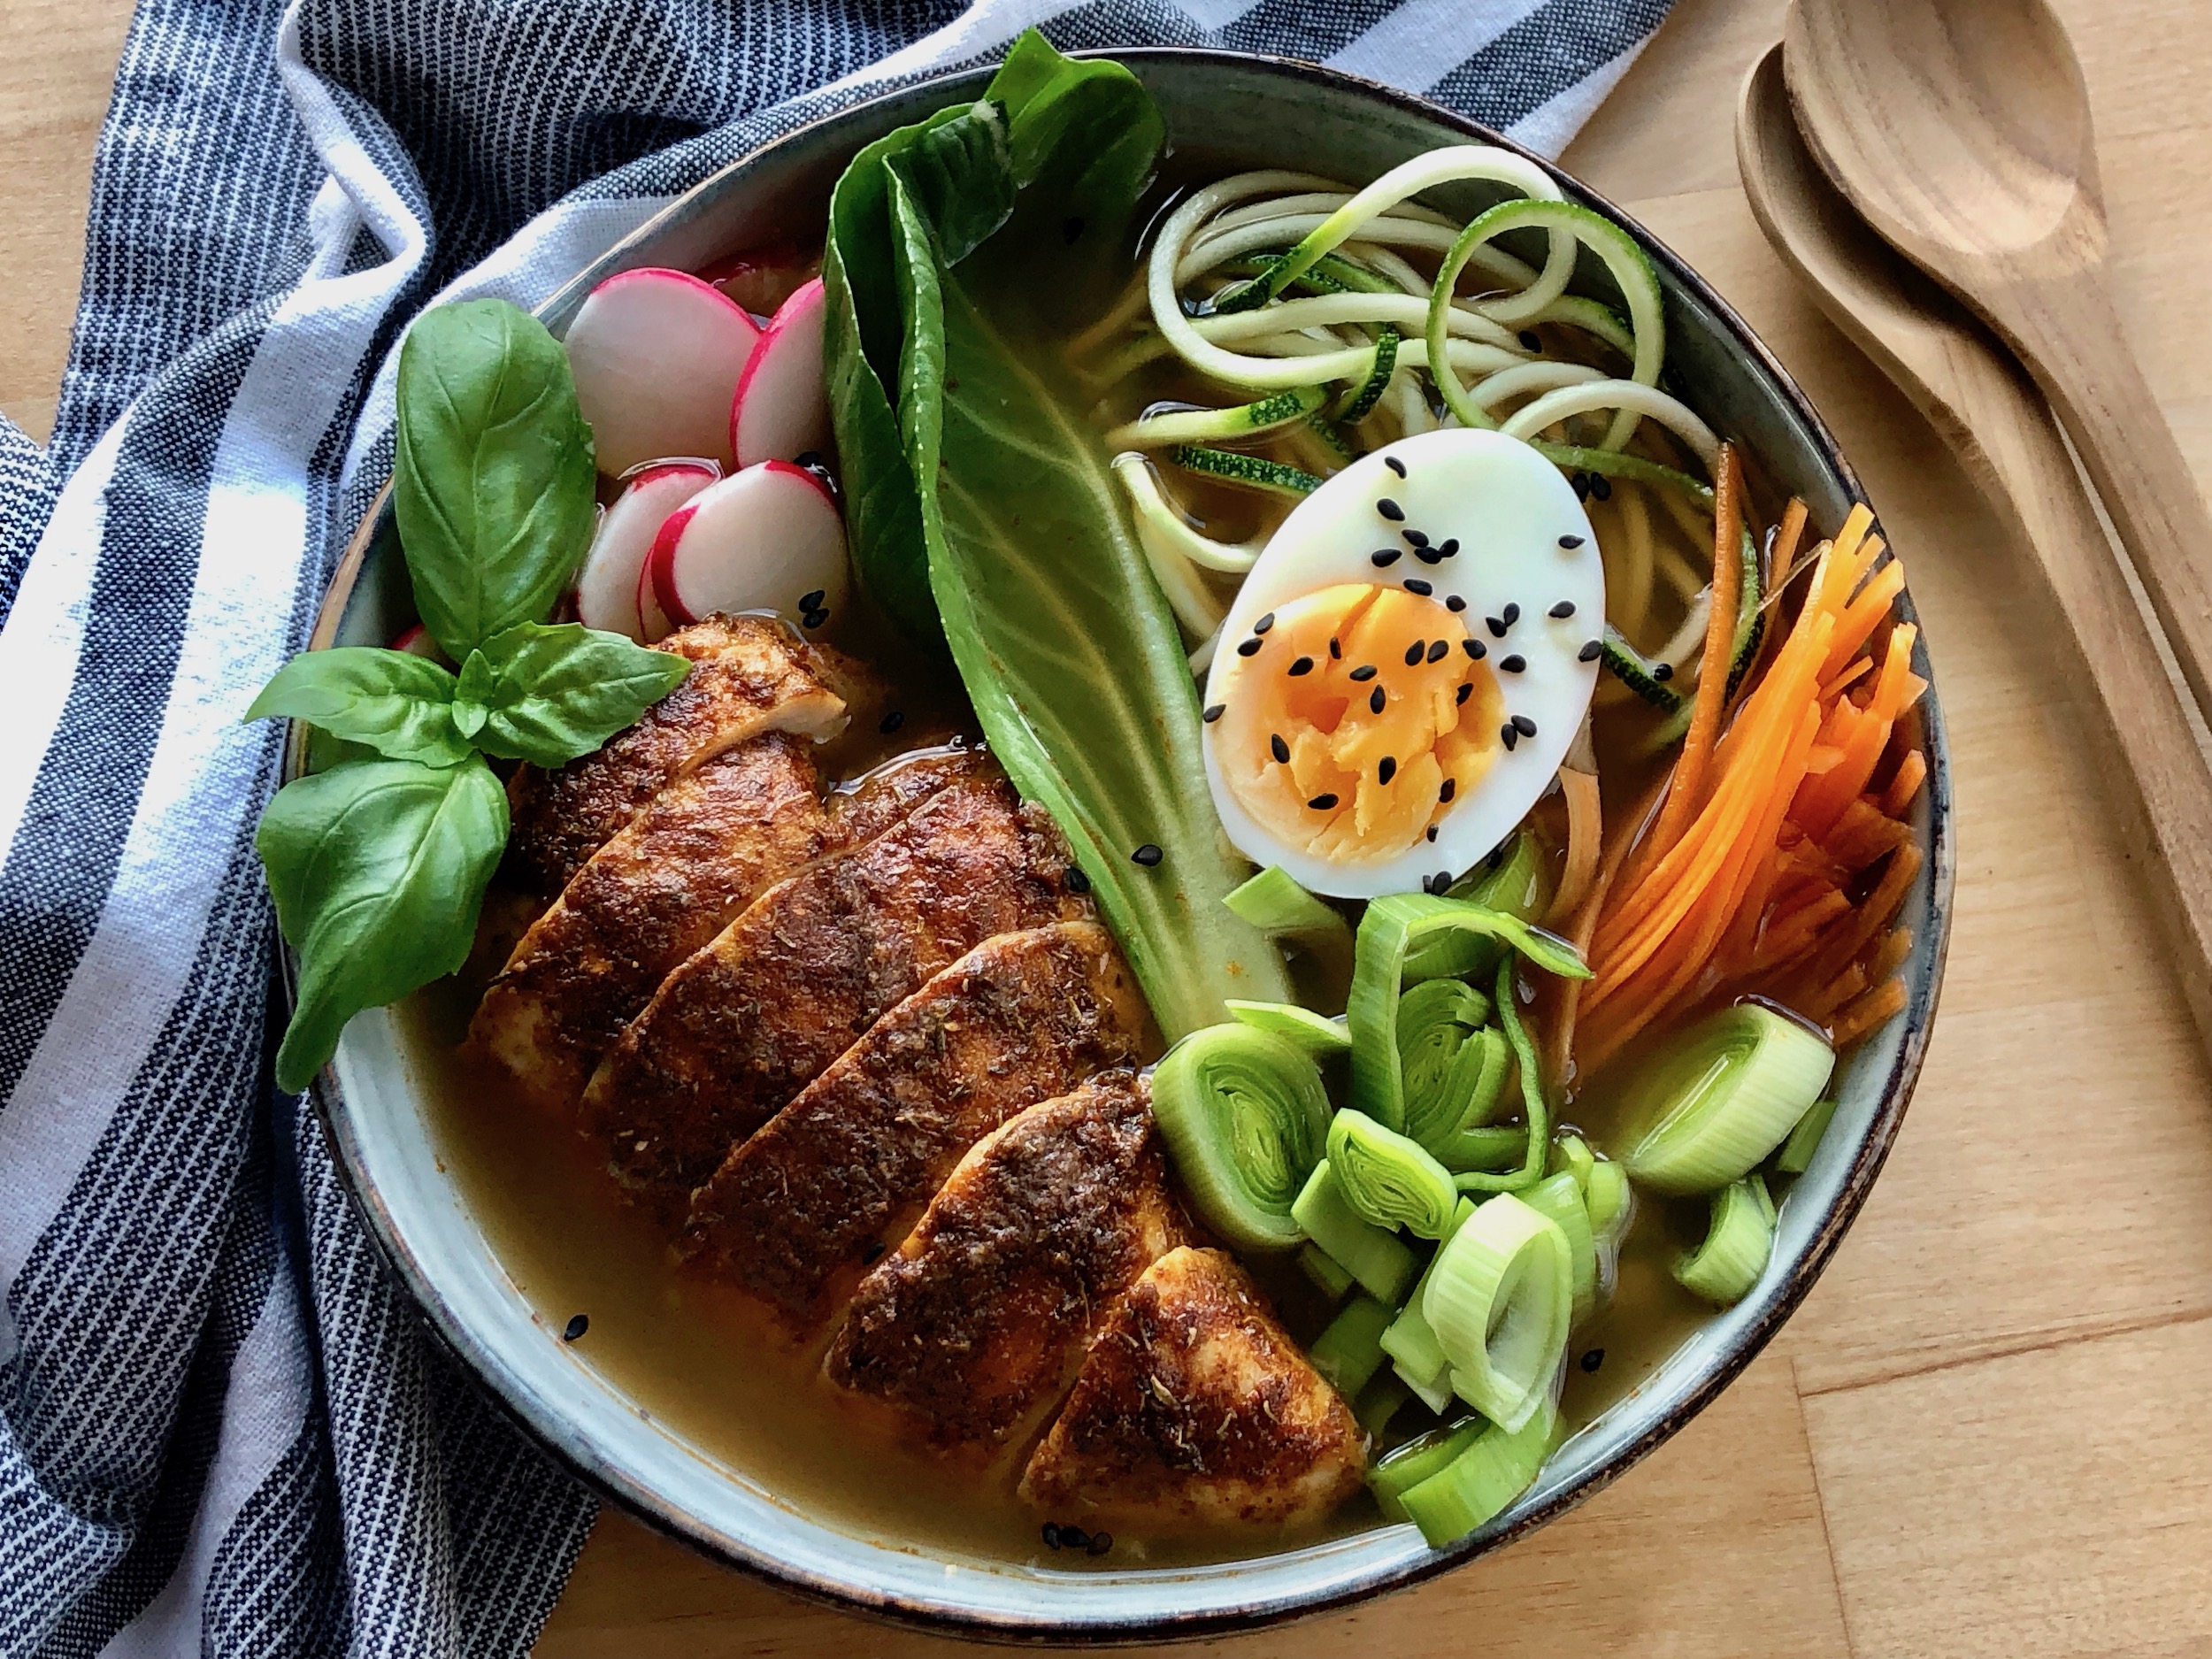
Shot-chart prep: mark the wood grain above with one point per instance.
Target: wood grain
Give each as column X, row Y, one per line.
column 1982, row 1434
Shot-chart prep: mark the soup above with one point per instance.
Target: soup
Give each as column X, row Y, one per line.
column 1237, row 962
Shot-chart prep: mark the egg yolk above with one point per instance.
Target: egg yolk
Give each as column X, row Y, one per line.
column 1353, row 718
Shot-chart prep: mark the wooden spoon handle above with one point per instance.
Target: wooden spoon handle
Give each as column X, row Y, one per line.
column 2148, row 748
column 2080, row 356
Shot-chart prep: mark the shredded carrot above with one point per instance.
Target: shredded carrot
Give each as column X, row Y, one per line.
column 1720, row 646
column 1585, row 829
column 1754, row 877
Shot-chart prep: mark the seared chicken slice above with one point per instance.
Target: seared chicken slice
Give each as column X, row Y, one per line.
column 753, row 1018
column 667, row 884
column 1196, row 1410
column 748, row 675
column 973, row 1327
column 798, row 1211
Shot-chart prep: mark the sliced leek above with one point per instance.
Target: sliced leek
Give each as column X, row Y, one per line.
column 1737, row 1242
column 1389, row 1178
column 1456, row 1068
column 1274, row 902
column 1398, row 1471
column 1611, row 1202
column 1394, row 928
column 1376, row 1257
column 1326, row 1272
column 1518, row 879
column 1717, row 1099
column 1797, row 1152
column 1316, row 1033
column 1483, row 1477
column 1349, row 1352
column 1560, row 1198
column 1500, row 1299
column 1380, row 1400
column 1535, row 1104
column 1245, row 1117
column 1420, row 1358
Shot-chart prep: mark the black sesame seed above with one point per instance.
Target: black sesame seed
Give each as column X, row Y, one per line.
column 1509, row 735
column 1303, row 665
column 1466, row 690
column 1214, row 712
column 1148, row 854
column 1077, row 881
column 1443, row 881
column 875, row 1249
column 577, row 1325
column 1101, row 1542
column 1497, row 626
column 1365, row 670
column 1592, row 649
column 1561, row 612
column 1075, row 1538
column 1526, row 727
column 1279, row 748
column 1449, row 547
column 1530, row 341
column 1438, row 649
column 1582, row 487
column 1265, row 622
column 1428, row 885
column 1248, row 647
column 1375, row 703
column 891, row 722
column 1336, row 650
column 1322, row 802
column 813, row 600
column 1455, row 604
column 1415, row 538
column 1429, row 555
column 1512, row 665
column 1601, row 487
column 813, row 619
column 1394, row 464
column 1391, row 511
column 1444, row 796
column 1414, row 584
column 1414, row 650
column 1663, row 672
column 1431, row 832
column 1571, row 542
column 1512, row 613
column 1052, row 1536
column 1385, row 769
column 1475, row 648
column 1383, row 557
column 1593, row 1358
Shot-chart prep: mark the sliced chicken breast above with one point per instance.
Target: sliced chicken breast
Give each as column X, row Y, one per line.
column 973, row 1327
column 797, row 1212
column 753, row 1018
column 748, row 675
column 1195, row 1410
column 671, row 879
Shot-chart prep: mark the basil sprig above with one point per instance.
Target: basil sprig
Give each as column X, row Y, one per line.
column 378, row 863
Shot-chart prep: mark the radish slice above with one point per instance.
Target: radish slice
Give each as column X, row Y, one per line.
column 607, row 589
column 657, row 355
column 768, row 538
column 653, row 624
column 415, row 642
column 781, row 410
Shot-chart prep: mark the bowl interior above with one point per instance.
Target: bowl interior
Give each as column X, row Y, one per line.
column 1241, row 111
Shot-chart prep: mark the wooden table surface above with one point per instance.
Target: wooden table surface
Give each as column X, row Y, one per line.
column 1984, row 1433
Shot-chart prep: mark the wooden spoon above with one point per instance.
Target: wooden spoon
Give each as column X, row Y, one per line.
column 1982, row 403
column 1959, row 129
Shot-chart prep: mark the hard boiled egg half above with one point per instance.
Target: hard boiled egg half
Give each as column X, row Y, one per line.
column 1406, row 665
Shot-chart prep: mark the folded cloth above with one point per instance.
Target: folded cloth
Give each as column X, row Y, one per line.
column 220, row 1429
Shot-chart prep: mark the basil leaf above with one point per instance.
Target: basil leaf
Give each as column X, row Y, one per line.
column 493, row 477
column 395, row 703
column 378, row 868
column 548, row 693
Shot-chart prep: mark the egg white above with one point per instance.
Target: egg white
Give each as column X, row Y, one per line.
column 1509, row 510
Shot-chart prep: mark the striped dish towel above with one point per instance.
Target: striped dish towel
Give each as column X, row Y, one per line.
column 220, row 1430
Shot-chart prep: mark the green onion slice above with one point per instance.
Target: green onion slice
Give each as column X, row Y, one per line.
column 1455, row 1066
column 1517, row 880
column 1535, row 1104
column 1797, row 1151
column 1326, row 1272
column 1420, row 1358
column 1486, row 1475
column 1393, row 928
column 1398, row 1471
column 1574, row 1155
column 1501, row 1299
column 1246, row 1117
column 1559, row 1198
column 1389, row 1178
column 1737, row 1242
column 1349, row 1352
column 1717, row 1099
column 1611, row 1203
column 1314, row 1033
column 1377, row 1258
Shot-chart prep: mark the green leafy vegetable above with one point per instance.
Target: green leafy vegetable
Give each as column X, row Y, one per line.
column 493, row 475
column 548, row 693
column 392, row 703
column 378, row 868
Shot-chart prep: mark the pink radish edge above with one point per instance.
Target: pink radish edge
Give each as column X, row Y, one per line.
column 659, row 572
column 804, row 306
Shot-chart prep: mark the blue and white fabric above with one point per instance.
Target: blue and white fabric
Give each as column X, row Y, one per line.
column 221, row 1431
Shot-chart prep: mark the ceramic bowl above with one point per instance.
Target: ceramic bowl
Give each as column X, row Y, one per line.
column 1241, row 111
